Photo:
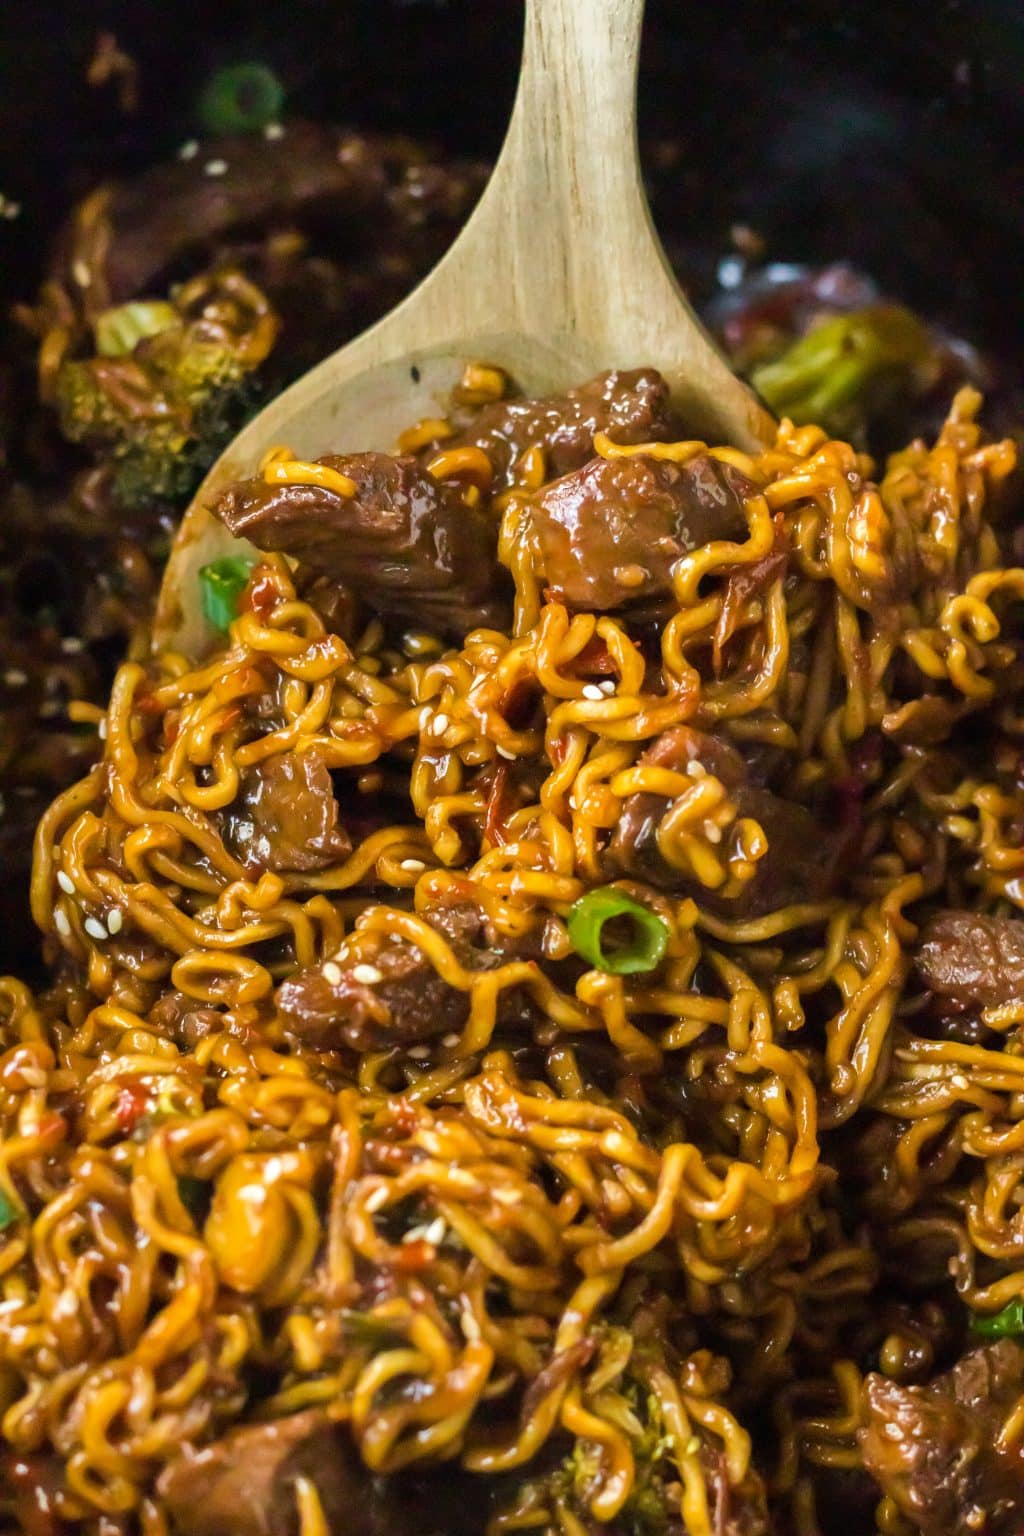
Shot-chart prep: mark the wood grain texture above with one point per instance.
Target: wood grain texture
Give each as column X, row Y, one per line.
column 557, row 275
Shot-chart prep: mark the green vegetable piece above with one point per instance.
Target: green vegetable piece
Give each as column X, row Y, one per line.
column 119, row 330
column 9, row 1212
column 823, row 376
column 1001, row 1325
column 587, row 921
column 222, row 583
column 241, row 98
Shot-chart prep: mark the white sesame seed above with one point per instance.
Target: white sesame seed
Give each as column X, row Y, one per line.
column 376, row 1198
column 115, row 921
column 419, row 1052
column 95, row 929
column 102, row 732
column 415, row 1234
column 592, row 691
column 9, row 209
column 65, row 882
column 607, row 687
column 215, row 168
column 509, row 757
column 71, row 645
column 412, row 865
column 80, row 272
column 960, row 1081
column 451, row 1040
column 14, row 677
column 274, row 131
column 189, row 149
column 713, row 832
column 367, row 974
column 436, row 1232
column 696, row 770
column 60, row 922
column 332, row 974
column 470, row 1326
column 441, row 724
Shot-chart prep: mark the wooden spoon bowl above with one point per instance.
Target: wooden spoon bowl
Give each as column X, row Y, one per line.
column 558, row 275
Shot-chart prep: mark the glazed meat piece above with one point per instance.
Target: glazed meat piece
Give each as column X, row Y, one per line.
column 631, row 405
column 935, row 1451
column 286, row 816
column 337, row 1004
column 971, row 961
column 608, row 535
column 244, row 1484
column 802, row 859
column 406, row 543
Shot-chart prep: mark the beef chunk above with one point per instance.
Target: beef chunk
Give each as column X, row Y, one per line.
column 286, row 816
column 803, row 856
column 609, row 534
column 328, row 1006
column 970, row 961
column 935, row 1450
column 405, row 543
column 630, row 405
column 244, row 1484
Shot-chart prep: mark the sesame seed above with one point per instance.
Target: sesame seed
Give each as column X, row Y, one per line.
column 412, row 865
column 115, row 921
column 332, row 974
column 80, row 272
column 14, row 677
column 509, row 757
column 451, row 1040
column 592, row 691
column 9, row 209
column 696, row 770
column 72, row 645
column 274, row 131
column 415, row 1234
column 189, row 149
column 436, row 1232
column 215, row 167
column 95, row 929
column 60, row 922
column 713, row 832
column 441, row 724
column 102, row 731
column 607, row 687
column 960, row 1081
column 470, row 1326
column 376, row 1198
column 367, row 974
column 419, row 1052
column 65, row 882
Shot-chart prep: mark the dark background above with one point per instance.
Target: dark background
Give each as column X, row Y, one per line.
column 889, row 133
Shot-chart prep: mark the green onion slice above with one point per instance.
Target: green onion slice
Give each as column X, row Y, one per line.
column 1001, row 1325
column 643, row 951
column 9, row 1212
column 221, row 584
column 241, row 98
column 119, row 330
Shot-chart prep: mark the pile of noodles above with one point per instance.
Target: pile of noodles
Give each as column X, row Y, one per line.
column 655, row 1227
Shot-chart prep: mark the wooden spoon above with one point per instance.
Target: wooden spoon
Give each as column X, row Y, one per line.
column 558, row 275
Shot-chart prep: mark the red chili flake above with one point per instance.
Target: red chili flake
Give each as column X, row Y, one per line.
column 497, row 806
column 132, row 1102
column 412, row 1257
column 262, row 593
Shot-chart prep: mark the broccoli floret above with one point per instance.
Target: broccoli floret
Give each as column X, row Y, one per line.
column 171, row 384
column 840, row 372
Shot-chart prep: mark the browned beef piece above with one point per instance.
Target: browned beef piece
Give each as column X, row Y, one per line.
column 244, row 1484
column 803, row 856
column 970, row 961
column 631, row 405
column 934, row 1449
column 286, row 816
column 609, row 534
column 405, row 543
column 326, row 1006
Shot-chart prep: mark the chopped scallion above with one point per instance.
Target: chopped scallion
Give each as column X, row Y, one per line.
column 221, row 584
column 1001, row 1325
column 642, row 946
